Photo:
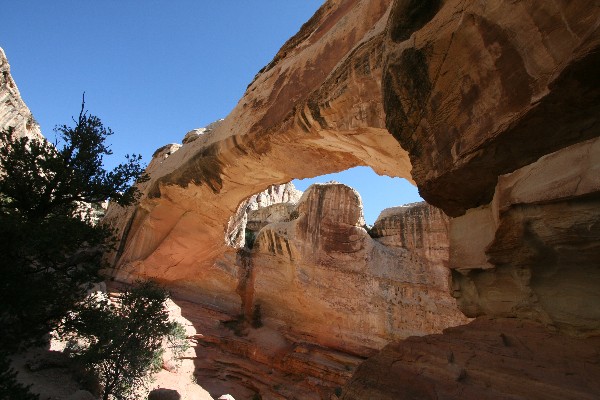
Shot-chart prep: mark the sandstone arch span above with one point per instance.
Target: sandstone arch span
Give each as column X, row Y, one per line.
column 315, row 109
column 482, row 95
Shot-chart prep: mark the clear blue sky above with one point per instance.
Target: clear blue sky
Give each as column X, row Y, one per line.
column 153, row 70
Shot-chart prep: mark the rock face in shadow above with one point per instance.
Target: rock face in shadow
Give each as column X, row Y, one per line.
column 500, row 119
column 482, row 89
column 536, row 255
column 500, row 123
column 486, row 359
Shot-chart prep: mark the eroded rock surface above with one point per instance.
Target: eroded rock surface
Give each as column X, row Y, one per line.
column 474, row 90
column 316, row 108
column 486, row 359
column 322, row 278
column 419, row 227
column 494, row 105
column 317, row 294
column 13, row 111
column 536, row 249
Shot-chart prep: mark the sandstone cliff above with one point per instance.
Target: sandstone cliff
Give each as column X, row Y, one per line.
column 316, row 294
column 323, row 279
column 13, row 111
column 491, row 108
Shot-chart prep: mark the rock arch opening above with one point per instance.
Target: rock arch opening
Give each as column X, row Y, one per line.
column 377, row 192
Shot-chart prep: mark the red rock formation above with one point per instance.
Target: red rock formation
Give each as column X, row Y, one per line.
column 495, row 103
column 537, row 250
column 499, row 115
column 419, row 227
column 318, row 100
column 492, row 359
column 322, row 278
column 474, row 90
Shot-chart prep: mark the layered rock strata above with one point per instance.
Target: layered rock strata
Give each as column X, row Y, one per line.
column 317, row 294
column 419, row 227
column 500, row 118
column 316, row 108
column 474, row 90
column 494, row 105
column 491, row 359
column 497, row 86
column 322, row 278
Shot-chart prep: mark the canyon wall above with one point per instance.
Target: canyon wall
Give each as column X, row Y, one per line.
column 322, row 278
column 491, row 108
column 317, row 294
column 500, row 120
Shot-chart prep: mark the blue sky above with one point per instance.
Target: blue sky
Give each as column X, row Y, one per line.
column 156, row 71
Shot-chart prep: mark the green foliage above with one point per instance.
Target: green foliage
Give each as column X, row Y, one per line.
column 10, row 389
column 50, row 256
column 42, row 179
column 47, row 265
column 124, row 338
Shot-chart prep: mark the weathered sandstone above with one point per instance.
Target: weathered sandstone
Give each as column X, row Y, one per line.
column 536, row 250
column 491, row 108
column 13, row 111
column 419, row 227
column 491, row 359
column 316, row 108
column 474, row 90
column 317, row 294
column 322, row 278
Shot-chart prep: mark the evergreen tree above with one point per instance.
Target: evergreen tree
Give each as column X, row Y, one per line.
column 124, row 337
column 49, row 254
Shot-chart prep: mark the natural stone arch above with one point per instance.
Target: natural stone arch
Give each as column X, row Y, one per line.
column 315, row 109
column 469, row 92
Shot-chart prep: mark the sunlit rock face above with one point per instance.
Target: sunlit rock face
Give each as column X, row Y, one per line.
column 317, row 294
column 491, row 108
column 322, row 278
column 272, row 204
column 316, row 108
column 13, row 111
column 419, row 227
